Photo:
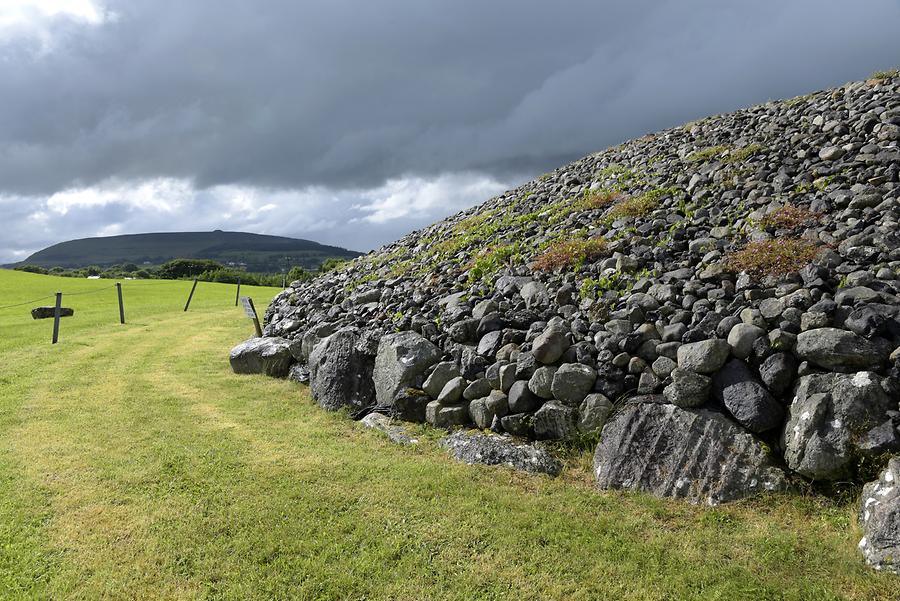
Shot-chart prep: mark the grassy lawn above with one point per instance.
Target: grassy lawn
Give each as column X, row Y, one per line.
column 135, row 465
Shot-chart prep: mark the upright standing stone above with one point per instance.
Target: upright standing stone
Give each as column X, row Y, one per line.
column 340, row 373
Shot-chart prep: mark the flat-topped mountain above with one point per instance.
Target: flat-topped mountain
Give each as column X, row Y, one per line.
column 256, row 252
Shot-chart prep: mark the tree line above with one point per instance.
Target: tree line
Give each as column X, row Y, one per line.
column 205, row 270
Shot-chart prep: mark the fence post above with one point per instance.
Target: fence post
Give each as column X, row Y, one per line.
column 56, row 314
column 237, row 294
column 255, row 318
column 121, row 305
column 191, row 295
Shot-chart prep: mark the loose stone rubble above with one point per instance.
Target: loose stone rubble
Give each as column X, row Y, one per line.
column 622, row 276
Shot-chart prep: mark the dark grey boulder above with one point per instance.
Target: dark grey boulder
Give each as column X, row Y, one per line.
column 410, row 404
column 490, row 343
column 741, row 392
column 489, row 449
column 480, row 414
column 463, row 330
column 471, row 364
column 340, row 373
column 555, row 421
column 592, row 413
column 549, row 346
column 483, row 308
column 299, row 373
column 883, row 438
column 535, row 295
column 477, row 389
column 541, row 382
column 440, row 416
column 310, row 339
column 840, row 350
column 705, row 356
column 777, row 372
column 697, row 455
column 366, row 296
column 270, row 356
column 521, row 399
column 443, row 372
column 572, row 382
column 402, row 361
column 872, row 320
column 452, row 391
column 879, row 518
column 741, row 338
column 829, row 414
column 518, row 424
column 857, row 294
column 526, row 365
column 687, row 388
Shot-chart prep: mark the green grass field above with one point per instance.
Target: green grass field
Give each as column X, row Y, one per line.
column 135, row 465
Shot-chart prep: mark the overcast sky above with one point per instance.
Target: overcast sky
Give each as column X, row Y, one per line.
column 352, row 123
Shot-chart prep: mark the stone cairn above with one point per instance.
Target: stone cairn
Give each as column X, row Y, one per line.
column 719, row 301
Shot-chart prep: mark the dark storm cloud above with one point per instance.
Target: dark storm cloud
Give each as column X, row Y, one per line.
column 340, row 96
column 347, row 93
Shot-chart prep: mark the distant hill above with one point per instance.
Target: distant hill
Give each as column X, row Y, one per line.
column 255, row 252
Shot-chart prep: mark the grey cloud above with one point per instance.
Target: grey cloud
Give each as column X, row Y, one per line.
column 347, row 94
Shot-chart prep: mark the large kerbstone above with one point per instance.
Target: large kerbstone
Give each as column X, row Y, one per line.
column 340, row 372
column 402, row 361
column 879, row 517
column 270, row 356
column 490, row 449
column 692, row 454
column 829, row 415
column 840, row 350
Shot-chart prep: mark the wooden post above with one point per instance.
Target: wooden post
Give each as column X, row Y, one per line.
column 121, row 305
column 191, row 295
column 56, row 314
column 283, row 281
column 237, row 295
